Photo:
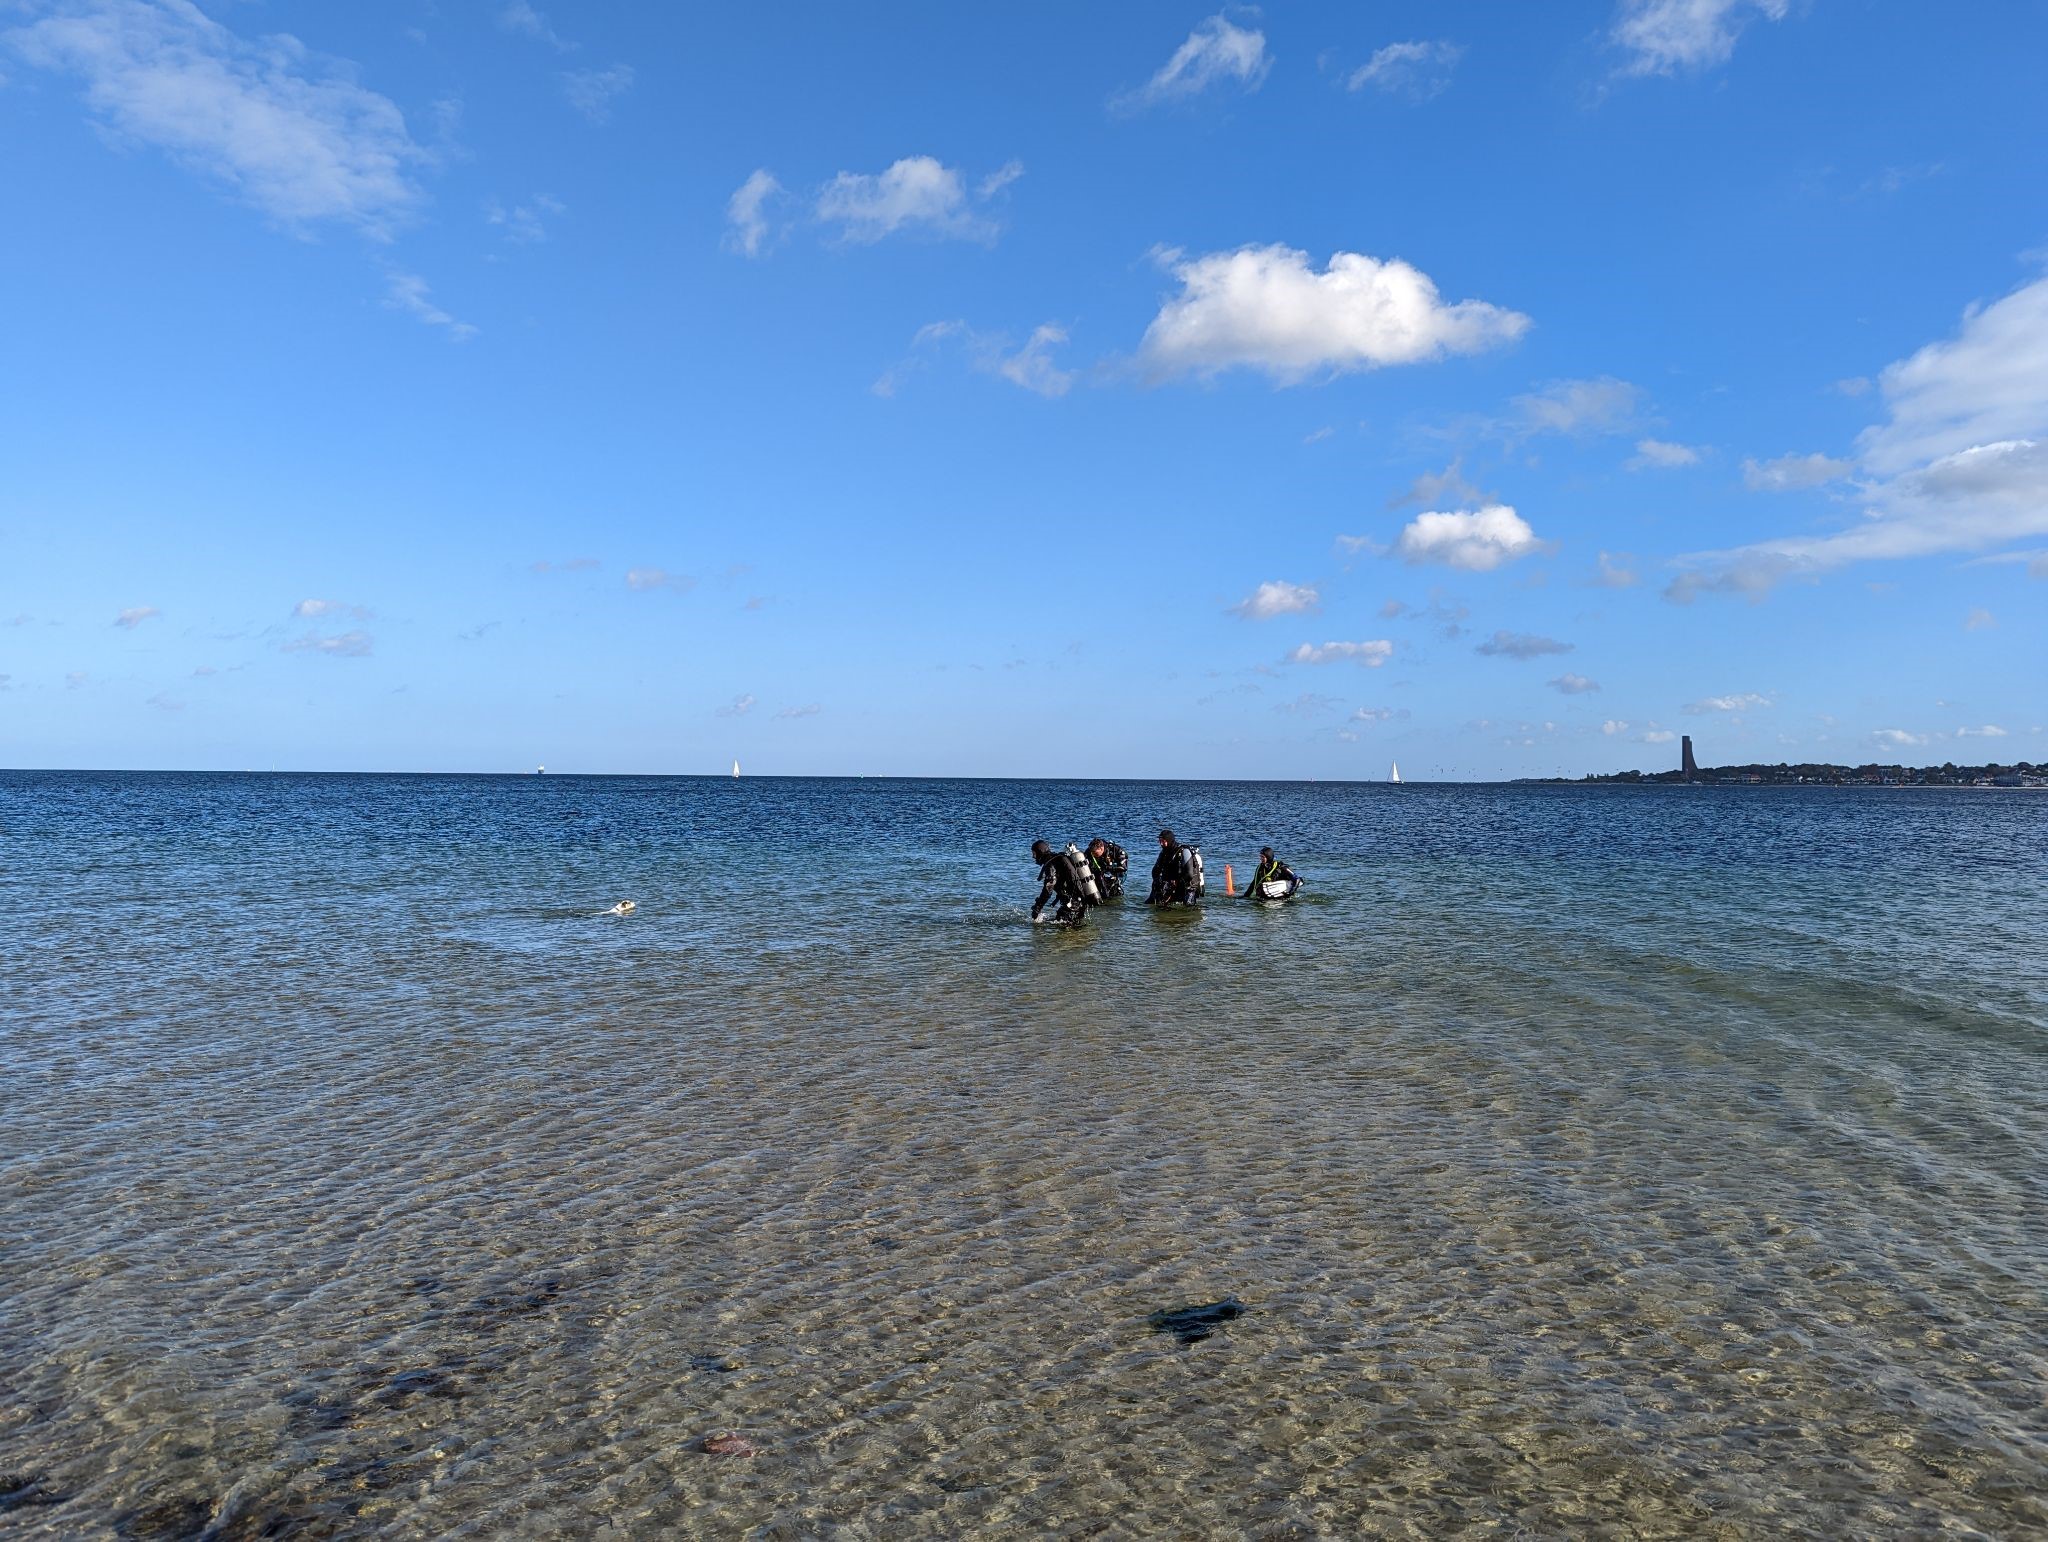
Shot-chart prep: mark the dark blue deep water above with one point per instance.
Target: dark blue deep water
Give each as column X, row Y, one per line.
column 1631, row 1161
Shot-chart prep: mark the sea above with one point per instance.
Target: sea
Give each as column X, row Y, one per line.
column 1585, row 1161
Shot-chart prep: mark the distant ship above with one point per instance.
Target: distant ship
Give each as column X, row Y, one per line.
column 540, row 770
column 1394, row 773
column 735, row 770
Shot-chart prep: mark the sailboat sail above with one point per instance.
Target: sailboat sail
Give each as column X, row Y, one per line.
column 735, row 770
column 1394, row 775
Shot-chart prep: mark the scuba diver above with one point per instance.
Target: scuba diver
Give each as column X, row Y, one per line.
column 1273, row 879
column 1110, row 864
column 1177, row 875
column 1064, row 874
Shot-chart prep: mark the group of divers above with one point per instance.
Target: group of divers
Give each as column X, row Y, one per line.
column 1076, row 880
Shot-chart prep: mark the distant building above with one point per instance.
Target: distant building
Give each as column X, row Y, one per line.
column 1689, row 766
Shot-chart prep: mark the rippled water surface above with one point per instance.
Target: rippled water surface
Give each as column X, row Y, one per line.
column 1632, row 1162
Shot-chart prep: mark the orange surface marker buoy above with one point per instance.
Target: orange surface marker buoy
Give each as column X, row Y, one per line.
column 1229, row 883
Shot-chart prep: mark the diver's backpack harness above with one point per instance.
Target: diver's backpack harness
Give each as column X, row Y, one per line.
column 1191, row 870
column 1078, row 873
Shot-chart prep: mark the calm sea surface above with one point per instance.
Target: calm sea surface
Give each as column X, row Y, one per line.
column 1631, row 1162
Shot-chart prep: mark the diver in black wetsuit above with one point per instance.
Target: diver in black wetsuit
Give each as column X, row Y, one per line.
column 1271, row 870
column 1059, row 875
column 1172, row 875
column 1110, row 864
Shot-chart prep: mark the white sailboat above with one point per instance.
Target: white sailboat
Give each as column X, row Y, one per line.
column 1394, row 774
column 735, row 770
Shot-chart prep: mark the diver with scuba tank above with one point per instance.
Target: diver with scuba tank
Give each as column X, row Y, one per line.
column 1064, row 875
column 1177, row 875
column 1272, row 879
column 1110, row 863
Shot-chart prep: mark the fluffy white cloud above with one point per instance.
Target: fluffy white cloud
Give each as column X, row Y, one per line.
column 1898, row 738
column 1573, row 685
column 1659, row 736
column 1960, row 465
column 408, row 292
column 1788, row 473
column 1216, row 51
column 314, row 610
column 1663, row 37
column 344, row 645
column 1378, row 714
column 1578, row 407
column 1662, row 455
column 746, row 213
column 1988, row 731
column 592, row 92
column 1987, row 384
column 916, row 193
column 1613, row 726
column 133, row 617
column 292, row 134
column 1741, row 702
column 1416, row 70
column 1521, row 645
column 1267, row 308
column 1370, row 654
column 1278, row 598
column 1477, row 540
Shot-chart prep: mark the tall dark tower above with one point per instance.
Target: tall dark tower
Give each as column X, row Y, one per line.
column 1690, row 767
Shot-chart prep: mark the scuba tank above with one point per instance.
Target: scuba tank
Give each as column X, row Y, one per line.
column 1083, row 873
column 1191, row 870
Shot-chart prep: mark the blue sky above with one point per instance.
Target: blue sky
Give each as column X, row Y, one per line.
column 1051, row 390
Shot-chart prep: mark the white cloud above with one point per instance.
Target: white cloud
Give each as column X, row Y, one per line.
column 1417, row 70
column 809, row 709
column 344, row 645
column 1659, row 736
column 1988, row 731
column 521, row 18
column 1960, row 465
column 592, row 92
column 1477, row 540
column 643, row 580
column 1741, row 702
column 313, row 610
column 130, row 619
column 1613, row 726
column 1573, row 685
column 1370, row 654
column 1988, row 383
column 408, row 292
column 1266, row 308
column 1278, row 598
column 999, row 179
column 1616, row 570
column 739, row 706
column 746, row 213
column 1378, row 714
column 291, row 133
column 1578, row 407
column 1898, row 738
column 1662, row 455
column 522, row 223
column 1663, row 37
column 1787, row 473
column 1979, row 620
column 1216, row 51
column 1521, row 645
column 572, row 565
column 915, row 193
column 1032, row 367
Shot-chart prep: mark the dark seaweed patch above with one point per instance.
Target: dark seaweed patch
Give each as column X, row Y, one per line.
column 1192, row 1324
column 21, row 1490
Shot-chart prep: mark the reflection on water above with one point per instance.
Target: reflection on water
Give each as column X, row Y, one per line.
column 1645, row 1162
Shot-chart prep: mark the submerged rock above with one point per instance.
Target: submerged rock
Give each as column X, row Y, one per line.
column 726, row 1443
column 1192, row 1324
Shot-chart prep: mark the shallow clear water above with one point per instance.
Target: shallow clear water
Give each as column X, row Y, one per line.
column 1637, row 1162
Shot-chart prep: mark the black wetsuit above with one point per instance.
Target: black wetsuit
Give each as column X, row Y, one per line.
column 1110, row 868
column 1170, row 883
column 1058, row 877
column 1270, row 872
